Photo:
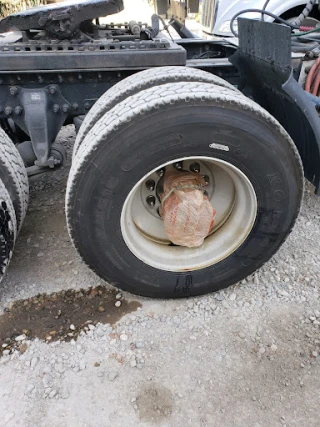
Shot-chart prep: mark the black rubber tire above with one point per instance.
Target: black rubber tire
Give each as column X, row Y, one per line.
column 170, row 122
column 8, row 229
column 137, row 83
column 14, row 176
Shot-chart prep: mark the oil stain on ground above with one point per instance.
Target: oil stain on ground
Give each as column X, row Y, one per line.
column 60, row 316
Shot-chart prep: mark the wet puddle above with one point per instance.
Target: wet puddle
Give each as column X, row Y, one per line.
column 60, row 316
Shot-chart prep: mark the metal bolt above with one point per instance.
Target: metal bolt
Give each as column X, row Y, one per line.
column 207, row 179
column 13, row 90
column 8, row 111
column 75, row 106
column 66, row 108
column 56, row 108
column 87, row 105
column 178, row 165
column 161, row 172
column 195, row 167
column 151, row 200
column 150, row 184
column 18, row 110
column 52, row 90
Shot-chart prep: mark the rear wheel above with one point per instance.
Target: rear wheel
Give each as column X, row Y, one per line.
column 137, row 83
column 8, row 229
column 255, row 185
column 14, row 176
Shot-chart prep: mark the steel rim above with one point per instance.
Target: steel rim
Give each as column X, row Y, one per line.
column 229, row 191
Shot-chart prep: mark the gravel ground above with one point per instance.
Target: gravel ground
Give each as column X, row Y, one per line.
column 247, row 356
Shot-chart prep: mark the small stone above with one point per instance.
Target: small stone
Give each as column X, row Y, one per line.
column 139, row 344
column 52, row 394
column 314, row 353
column 96, row 365
column 262, row 350
column 133, row 363
column 72, row 327
column 91, row 327
column 82, row 365
column 118, row 304
column 273, row 347
column 193, row 338
column 124, row 337
column 30, row 388
column 254, row 398
column 101, row 309
column 20, row 337
column 118, row 296
column 301, row 365
column 242, row 335
column 8, row 417
column 112, row 375
column 59, row 367
column 34, row 362
column 233, row 296
column 99, row 332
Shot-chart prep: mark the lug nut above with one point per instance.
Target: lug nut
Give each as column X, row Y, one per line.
column 18, row 110
column 8, row 111
column 195, row 167
column 56, row 108
column 178, row 165
column 13, row 90
column 161, row 172
column 87, row 105
column 52, row 90
column 151, row 200
column 150, row 184
column 65, row 108
column 207, row 179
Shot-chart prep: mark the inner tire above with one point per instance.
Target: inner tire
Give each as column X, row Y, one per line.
column 137, row 83
column 172, row 122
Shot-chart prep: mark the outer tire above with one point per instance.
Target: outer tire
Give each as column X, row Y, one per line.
column 14, row 176
column 137, row 83
column 169, row 122
column 8, row 229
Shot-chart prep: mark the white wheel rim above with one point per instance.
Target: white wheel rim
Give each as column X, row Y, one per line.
column 230, row 193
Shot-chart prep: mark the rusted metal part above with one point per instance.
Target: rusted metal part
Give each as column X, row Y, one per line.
column 61, row 20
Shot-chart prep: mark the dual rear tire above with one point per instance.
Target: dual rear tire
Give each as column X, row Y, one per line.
column 254, row 168
column 14, row 198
